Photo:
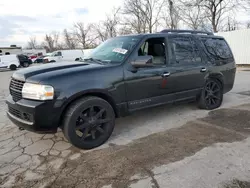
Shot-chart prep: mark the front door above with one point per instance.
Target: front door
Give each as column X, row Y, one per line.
column 146, row 86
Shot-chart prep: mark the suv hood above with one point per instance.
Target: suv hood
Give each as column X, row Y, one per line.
column 53, row 69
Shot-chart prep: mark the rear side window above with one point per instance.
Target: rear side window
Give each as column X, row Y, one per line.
column 217, row 48
column 184, row 50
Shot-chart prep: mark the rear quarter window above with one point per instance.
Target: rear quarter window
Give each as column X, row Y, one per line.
column 217, row 48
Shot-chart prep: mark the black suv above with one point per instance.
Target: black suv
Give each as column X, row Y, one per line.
column 24, row 60
column 123, row 74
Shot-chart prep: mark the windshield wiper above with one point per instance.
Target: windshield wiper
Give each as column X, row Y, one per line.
column 94, row 60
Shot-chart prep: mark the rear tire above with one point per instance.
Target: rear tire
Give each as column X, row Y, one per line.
column 13, row 67
column 88, row 122
column 211, row 95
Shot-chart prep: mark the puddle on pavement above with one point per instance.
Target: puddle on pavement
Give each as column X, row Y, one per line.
column 117, row 164
column 237, row 120
column 237, row 184
column 245, row 93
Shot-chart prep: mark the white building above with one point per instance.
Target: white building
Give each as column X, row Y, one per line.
column 239, row 42
column 10, row 50
column 13, row 49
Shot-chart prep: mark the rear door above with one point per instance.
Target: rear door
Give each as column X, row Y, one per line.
column 220, row 59
column 186, row 66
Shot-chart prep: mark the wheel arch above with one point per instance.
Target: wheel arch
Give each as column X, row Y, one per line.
column 218, row 77
column 12, row 64
column 97, row 93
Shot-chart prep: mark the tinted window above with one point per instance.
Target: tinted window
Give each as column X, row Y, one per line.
column 217, row 48
column 184, row 51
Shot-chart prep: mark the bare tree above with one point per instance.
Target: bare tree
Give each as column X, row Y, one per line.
column 109, row 27
column 84, row 35
column 134, row 16
column 248, row 25
column 69, row 40
column 111, row 23
column 232, row 24
column 171, row 15
column 32, row 43
column 100, row 33
column 51, row 41
column 192, row 15
column 125, row 30
column 216, row 11
column 143, row 15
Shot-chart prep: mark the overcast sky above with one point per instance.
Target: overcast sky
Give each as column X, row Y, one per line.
column 20, row 19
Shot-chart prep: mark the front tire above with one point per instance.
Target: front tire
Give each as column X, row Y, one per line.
column 89, row 122
column 211, row 95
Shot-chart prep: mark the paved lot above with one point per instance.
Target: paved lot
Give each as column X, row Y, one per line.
column 168, row 147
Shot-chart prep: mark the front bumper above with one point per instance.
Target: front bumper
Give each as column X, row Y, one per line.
column 35, row 116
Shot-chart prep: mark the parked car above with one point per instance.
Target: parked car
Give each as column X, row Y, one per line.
column 33, row 57
column 9, row 61
column 24, row 60
column 122, row 75
column 64, row 55
column 39, row 59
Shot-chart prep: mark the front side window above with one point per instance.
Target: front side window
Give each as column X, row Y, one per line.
column 184, row 51
column 56, row 53
column 114, row 50
column 154, row 47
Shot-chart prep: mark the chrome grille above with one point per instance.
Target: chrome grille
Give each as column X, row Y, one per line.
column 16, row 87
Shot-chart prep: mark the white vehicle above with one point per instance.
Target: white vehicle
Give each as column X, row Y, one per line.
column 86, row 54
column 9, row 61
column 63, row 55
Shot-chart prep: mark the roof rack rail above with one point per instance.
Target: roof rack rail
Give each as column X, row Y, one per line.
column 186, row 31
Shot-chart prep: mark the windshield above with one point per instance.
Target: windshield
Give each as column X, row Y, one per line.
column 114, row 50
column 53, row 53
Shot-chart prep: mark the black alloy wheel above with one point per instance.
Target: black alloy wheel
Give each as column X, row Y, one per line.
column 89, row 122
column 212, row 95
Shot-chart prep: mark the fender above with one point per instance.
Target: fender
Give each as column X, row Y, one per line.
column 102, row 93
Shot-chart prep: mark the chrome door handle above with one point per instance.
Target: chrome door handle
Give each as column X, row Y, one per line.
column 166, row 74
column 203, row 70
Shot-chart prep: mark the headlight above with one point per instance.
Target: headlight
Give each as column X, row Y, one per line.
column 37, row 92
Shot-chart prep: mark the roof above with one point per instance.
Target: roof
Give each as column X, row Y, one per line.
column 179, row 32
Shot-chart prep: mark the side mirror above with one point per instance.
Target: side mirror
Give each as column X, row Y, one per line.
column 143, row 61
